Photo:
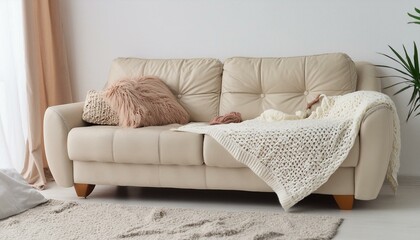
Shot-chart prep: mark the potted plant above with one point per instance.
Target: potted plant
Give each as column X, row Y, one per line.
column 408, row 71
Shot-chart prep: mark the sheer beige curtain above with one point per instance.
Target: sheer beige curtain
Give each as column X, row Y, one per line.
column 48, row 80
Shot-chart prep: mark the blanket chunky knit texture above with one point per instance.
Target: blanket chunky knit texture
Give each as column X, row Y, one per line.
column 295, row 157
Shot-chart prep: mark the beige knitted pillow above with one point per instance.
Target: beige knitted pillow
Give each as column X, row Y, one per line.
column 144, row 101
column 97, row 111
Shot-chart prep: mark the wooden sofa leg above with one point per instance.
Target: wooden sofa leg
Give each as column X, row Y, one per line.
column 344, row 202
column 83, row 190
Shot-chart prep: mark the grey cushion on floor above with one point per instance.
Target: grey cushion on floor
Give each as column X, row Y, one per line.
column 16, row 195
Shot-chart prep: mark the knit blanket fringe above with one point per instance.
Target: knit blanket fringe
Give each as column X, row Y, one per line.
column 296, row 157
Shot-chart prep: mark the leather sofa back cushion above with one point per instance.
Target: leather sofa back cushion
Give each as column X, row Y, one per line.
column 253, row 85
column 195, row 82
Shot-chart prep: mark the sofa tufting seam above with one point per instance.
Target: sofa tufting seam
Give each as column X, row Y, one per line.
column 113, row 146
column 261, row 82
column 219, row 94
column 147, row 62
column 160, row 162
column 261, row 76
column 305, row 87
column 204, row 163
column 179, row 79
column 158, row 146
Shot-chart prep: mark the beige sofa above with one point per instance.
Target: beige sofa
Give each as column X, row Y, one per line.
column 82, row 155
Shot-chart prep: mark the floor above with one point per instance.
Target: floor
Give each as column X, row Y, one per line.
column 390, row 216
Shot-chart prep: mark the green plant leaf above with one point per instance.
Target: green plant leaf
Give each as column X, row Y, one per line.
column 413, row 96
column 396, row 76
column 410, row 63
column 401, row 62
column 412, row 103
column 408, row 115
column 414, row 16
column 398, row 83
column 403, row 89
column 410, row 72
column 396, row 69
column 418, row 105
column 411, row 111
column 416, row 61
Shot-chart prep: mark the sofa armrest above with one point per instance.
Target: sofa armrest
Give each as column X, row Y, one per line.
column 366, row 77
column 58, row 121
column 376, row 141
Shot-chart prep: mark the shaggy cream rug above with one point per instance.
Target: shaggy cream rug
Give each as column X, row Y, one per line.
column 73, row 220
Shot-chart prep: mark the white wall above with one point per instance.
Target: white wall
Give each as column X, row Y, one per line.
column 98, row 31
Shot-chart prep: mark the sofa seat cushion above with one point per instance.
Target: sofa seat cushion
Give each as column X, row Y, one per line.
column 148, row 145
column 216, row 156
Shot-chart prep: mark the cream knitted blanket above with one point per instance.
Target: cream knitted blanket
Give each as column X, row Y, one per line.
column 295, row 157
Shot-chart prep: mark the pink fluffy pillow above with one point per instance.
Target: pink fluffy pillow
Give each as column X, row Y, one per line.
column 144, row 101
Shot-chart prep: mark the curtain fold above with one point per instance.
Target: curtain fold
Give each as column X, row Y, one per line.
column 13, row 103
column 48, row 81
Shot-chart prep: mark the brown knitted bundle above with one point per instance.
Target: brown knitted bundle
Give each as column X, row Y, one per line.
column 233, row 117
